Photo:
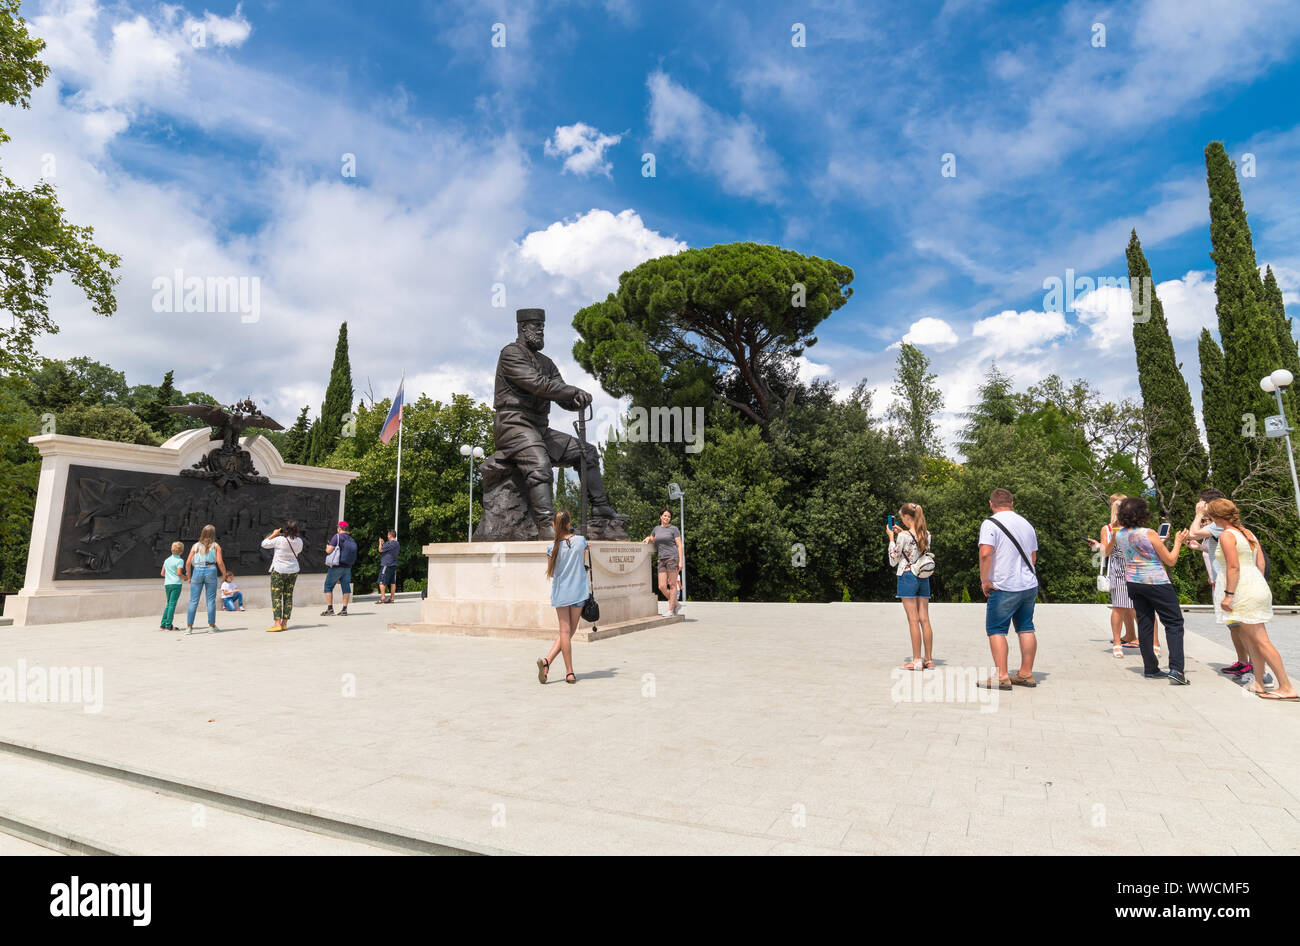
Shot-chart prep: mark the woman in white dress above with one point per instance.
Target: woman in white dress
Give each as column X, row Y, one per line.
column 1241, row 594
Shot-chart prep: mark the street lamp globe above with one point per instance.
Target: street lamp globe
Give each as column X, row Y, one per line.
column 1282, row 378
column 1266, row 384
column 465, row 449
column 478, row 453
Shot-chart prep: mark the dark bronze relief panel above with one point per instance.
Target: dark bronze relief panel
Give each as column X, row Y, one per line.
column 121, row 523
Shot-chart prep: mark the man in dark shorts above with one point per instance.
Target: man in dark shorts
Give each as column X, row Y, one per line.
column 340, row 574
column 388, row 567
column 667, row 539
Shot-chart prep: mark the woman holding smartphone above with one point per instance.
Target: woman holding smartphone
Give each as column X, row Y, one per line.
column 907, row 543
column 1145, row 562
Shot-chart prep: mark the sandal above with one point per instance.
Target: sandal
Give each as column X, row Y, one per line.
column 1277, row 699
column 929, row 664
column 569, row 675
column 993, row 684
column 912, row 664
column 1118, row 651
column 1024, row 680
column 543, row 668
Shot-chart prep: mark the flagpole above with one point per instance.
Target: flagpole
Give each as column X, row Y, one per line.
column 397, row 494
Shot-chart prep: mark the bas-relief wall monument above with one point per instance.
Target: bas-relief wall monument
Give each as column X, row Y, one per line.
column 107, row 514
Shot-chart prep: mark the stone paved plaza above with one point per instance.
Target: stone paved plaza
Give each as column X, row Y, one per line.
column 748, row 729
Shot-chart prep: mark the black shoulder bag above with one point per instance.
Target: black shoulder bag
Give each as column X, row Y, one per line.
column 590, row 609
column 1023, row 556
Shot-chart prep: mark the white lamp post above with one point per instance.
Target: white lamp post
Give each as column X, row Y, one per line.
column 1275, row 384
column 675, row 492
column 473, row 453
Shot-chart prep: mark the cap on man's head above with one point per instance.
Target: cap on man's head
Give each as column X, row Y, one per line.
column 343, row 525
column 530, row 315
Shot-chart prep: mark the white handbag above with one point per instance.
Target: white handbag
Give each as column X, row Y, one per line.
column 1103, row 582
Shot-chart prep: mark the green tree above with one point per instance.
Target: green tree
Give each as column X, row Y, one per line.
column 325, row 433
column 20, row 467
column 435, row 494
column 724, row 322
column 1220, row 427
column 105, row 422
column 296, row 439
column 1286, row 343
column 918, row 400
column 37, row 243
column 57, row 385
column 163, row 423
column 1176, row 458
column 1250, row 341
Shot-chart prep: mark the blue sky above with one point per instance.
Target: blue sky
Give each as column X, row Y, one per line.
column 521, row 166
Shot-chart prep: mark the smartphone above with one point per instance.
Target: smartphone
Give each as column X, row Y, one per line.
column 1164, row 530
column 891, row 523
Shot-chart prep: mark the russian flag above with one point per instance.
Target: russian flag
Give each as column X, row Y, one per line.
column 394, row 419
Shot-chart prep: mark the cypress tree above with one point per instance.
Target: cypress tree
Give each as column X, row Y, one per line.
column 162, row 423
column 338, row 401
column 1220, row 429
column 1286, row 342
column 296, row 439
column 1178, row 461
column 1250, row 348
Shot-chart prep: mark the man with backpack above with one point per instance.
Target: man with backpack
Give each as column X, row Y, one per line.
column 340, row 556
column 1008, row 574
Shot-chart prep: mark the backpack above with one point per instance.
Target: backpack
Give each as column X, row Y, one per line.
column 923, row 566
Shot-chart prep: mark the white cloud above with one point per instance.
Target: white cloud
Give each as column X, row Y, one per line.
column 582, row 147
column 730, row 149
column 928, row 331
column 593, row 249
column 1021, row 331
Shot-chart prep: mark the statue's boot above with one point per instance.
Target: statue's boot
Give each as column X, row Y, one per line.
column 600, row 507
column 539, row 497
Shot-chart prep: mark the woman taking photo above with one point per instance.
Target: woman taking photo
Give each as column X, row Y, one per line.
column 567, row 569
column 1241, row 595
column 285, row 544
column 1145, row 560
column 667, row 539
column 907, row 543
column 202, row 567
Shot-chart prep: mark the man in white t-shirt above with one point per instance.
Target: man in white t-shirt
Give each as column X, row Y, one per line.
column 1009, row 578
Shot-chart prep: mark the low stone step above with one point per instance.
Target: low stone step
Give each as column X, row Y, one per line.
column 71, row 806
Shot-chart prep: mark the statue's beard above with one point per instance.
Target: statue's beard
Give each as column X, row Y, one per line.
column 534, row 339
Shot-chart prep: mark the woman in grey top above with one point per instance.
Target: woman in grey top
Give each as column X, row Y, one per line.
column 667, row 539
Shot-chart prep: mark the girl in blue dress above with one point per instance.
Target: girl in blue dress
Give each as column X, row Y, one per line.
column 567, row 569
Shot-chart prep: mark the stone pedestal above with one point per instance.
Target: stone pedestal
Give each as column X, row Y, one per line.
column 500, row 589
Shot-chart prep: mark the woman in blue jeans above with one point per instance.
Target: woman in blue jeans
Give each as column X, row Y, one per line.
column 1149, row 588
column 203, row 567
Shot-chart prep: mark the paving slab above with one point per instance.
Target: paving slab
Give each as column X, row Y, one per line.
column 746, row 729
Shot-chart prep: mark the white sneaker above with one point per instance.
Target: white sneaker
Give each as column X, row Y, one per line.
column 1246, row 679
